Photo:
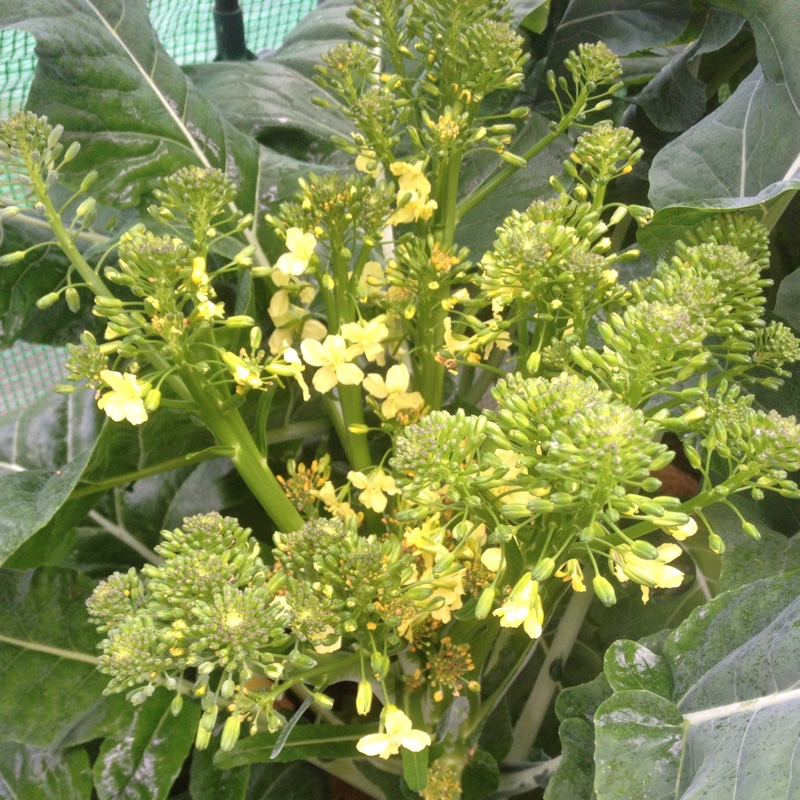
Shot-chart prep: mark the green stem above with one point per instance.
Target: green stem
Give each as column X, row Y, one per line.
column 230, row 430
column 352, row 413
column 507, row 170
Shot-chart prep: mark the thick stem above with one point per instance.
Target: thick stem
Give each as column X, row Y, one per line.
column 230, row 430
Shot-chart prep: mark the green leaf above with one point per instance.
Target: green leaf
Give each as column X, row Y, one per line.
column 415, row 768
column 574, row 778
column 676, row 98
column 44, row 774
column 531, row 14
column 288, row 782
column 103, row 75
column 261, row 98
column 306, row 741
column 732, row 722
column 732, row 159
column 207, row 782
column 52, row 693
column 481, row 776
column 43, row 452
column 630, row 665
column 147, row 757
column 625, row 26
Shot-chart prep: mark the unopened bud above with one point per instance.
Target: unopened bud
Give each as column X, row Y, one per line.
column 176, row 705
column 364, row 698
column 513, row 159
column 642, row 549
column 203, row 738
column 152, row 400
column 604, row 590
column 716, row 543
column 230, row 733
column 73, row 299
column 544, row 569
column 751, row 530
column 86, row 207
column 380, row 664
column 12, row 258
column 240, row 321
column 485, row 602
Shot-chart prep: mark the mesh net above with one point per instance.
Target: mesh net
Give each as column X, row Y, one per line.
column 186, row 29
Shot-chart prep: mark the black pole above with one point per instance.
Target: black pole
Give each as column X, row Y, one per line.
column 229, row 31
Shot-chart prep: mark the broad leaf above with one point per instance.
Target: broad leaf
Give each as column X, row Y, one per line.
column 624, row 25
column 207, row 782
column 44, row 450
column 306, row 741
column 531, row 14
column 730, row 723
column 732, row 159
column 52, row 693
column 44, row 774
column 148, row 755
column 676, row 98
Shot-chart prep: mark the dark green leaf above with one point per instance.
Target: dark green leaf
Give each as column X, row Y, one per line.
column 288, row 782
column 148, row 755
column 630, row 665
column 306, row 741
column 531, row 14
column 103, row 74
column 481, row 776
column 676, row 98
column 574, row 778
column 625, row 25
column 732, row 159
column 208, row 782
column 44, row 451
column 52, row 694
column 30, row 772
column 415, row 768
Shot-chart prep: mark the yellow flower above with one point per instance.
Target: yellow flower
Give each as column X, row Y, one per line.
column 126, row 398
column 398, row 732
column 683, row 531
column 571, row 572
column 648, row 573
column 210, row 310
column 523, row 607
column 374, row 488
column 367, row 338
column 332, row 357
column 301, row 247
column 393, row 391
column 410, row 177
column 327, row 494
column 291, row 367
column 492, row 558
column 363, row 162
column 412, row 194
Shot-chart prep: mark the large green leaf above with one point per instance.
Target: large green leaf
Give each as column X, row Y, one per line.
column 714, row 713
column 676, row 98
column 43, row 452
column 748, row 151
column 31, row 772
column 624, row 25
column 52, row 693
column 103, row 75
column 207, row 782
column 144, row 760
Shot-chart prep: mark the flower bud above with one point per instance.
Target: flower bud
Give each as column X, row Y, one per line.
column 230, row 733
column 380, row 664
column 12, row 258
column 203, row 737
column 513, row 159
column 543, row 569
column 73, row 299
column 209, row 718
column 604, row 590
column 322, row 700
column 176, row 705
column 485, row 602
column 643, row 549
column 47, row 300
column 716, row 543
column 240, row 321
column 751, row 530
column 364, row 698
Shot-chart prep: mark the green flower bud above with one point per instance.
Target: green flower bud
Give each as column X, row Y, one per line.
column 322, row 700
column 380, row 664
column 230, row 733
column 364, row 697
column 209, row 718
column 176, row 705
column 13, row 258
column 47, row 300
column 751, row 530
column 643, row 549
column 604, row 590
column 513, row 159
column 716, row 543
column 90, row 177
column 485, row 602
column 203, row 737
column 152, row 400
column 73, row 299
column 240, row 321
column 544, row 569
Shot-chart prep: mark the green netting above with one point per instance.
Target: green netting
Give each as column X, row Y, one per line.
column 186, row 29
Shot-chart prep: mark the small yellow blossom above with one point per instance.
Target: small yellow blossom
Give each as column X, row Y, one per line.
column 684, row 531
column 412, row 194
column 327, row 494
column 290, row 366
column 523, row 607
column 571, row 572
column 210, row 310
column 393, row 391
column 301, row 248
column 410, row 177
column 367, row 337
column 492, row 558
column 126, row 398
column 398, row 732
column 280, row 310
column 648, row 573
column 374, row 488
column 332, row 356
column 363, row 162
